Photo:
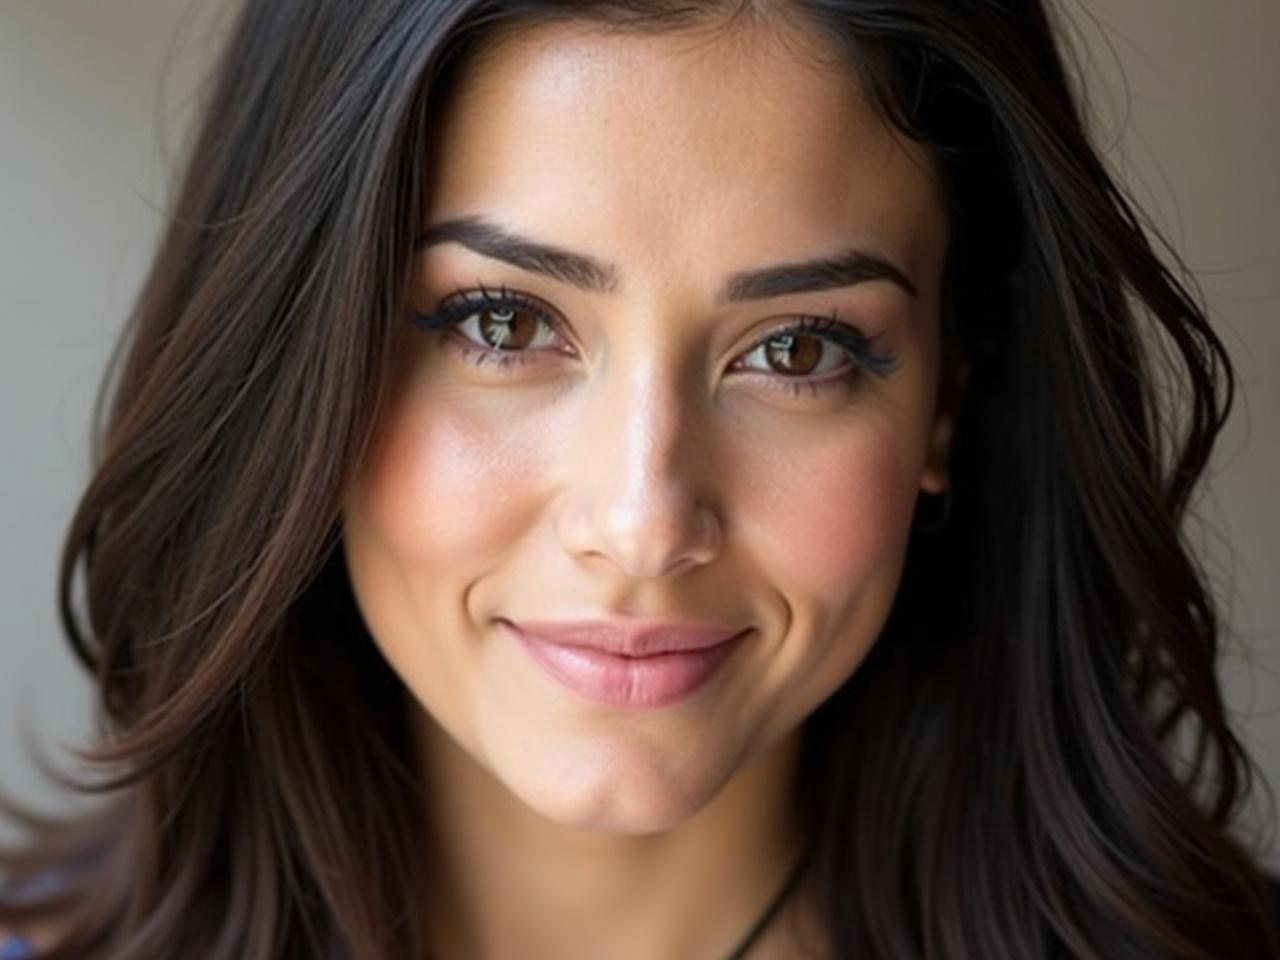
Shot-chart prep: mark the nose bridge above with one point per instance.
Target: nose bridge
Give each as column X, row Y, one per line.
column 655, row 421
column 641, row 500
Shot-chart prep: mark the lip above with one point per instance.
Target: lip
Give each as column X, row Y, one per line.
column 628, row 665
column 629, row 638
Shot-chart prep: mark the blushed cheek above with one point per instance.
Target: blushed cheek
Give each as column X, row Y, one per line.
column 443, row 486
column 834, row 515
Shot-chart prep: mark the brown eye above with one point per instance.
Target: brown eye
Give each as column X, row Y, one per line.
column 795, row 353
column 506, row 327
column 498, row 329
column 795, row 357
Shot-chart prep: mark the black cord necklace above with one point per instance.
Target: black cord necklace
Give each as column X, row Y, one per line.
column 780, row 897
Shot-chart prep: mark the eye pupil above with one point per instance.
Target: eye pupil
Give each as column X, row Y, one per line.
column 783, row 352
column 504, row 332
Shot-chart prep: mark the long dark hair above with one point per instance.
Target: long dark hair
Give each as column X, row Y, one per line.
column 1033, row 761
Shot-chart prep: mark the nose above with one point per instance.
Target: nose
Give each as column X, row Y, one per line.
column 638, row 489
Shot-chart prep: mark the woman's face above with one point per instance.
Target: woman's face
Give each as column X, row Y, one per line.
column 660, row 443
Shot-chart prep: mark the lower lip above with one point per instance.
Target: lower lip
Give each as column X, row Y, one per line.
column 615, row 681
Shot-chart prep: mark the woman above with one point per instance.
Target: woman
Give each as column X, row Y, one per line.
column 641, row 479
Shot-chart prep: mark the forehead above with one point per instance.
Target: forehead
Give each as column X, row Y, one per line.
column 735, row 143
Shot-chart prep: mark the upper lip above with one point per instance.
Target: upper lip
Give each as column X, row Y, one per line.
column 629, row 638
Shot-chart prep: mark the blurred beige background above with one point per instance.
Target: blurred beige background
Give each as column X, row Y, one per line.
column 94, row 100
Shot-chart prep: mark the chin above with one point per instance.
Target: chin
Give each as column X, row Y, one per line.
column 607, row 794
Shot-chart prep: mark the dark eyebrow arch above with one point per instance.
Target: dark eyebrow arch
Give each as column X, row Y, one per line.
column 594, row 276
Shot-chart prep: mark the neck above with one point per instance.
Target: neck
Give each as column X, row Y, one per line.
column 506, row 882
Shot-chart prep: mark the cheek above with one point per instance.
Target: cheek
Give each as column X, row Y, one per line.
column 439, row 501
column 834, row 515
column 831, row 527
column 442, row 486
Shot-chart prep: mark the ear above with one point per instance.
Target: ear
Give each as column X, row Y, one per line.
column 936, row 475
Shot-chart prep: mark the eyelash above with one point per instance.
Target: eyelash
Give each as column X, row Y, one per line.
column 829, row 328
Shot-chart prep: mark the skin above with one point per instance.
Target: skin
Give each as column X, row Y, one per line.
column 634, row 467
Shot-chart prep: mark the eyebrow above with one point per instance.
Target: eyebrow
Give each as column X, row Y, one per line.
column 843, row 269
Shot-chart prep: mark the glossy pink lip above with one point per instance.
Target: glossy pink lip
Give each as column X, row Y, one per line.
column 629, row 638
column 636, row 665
